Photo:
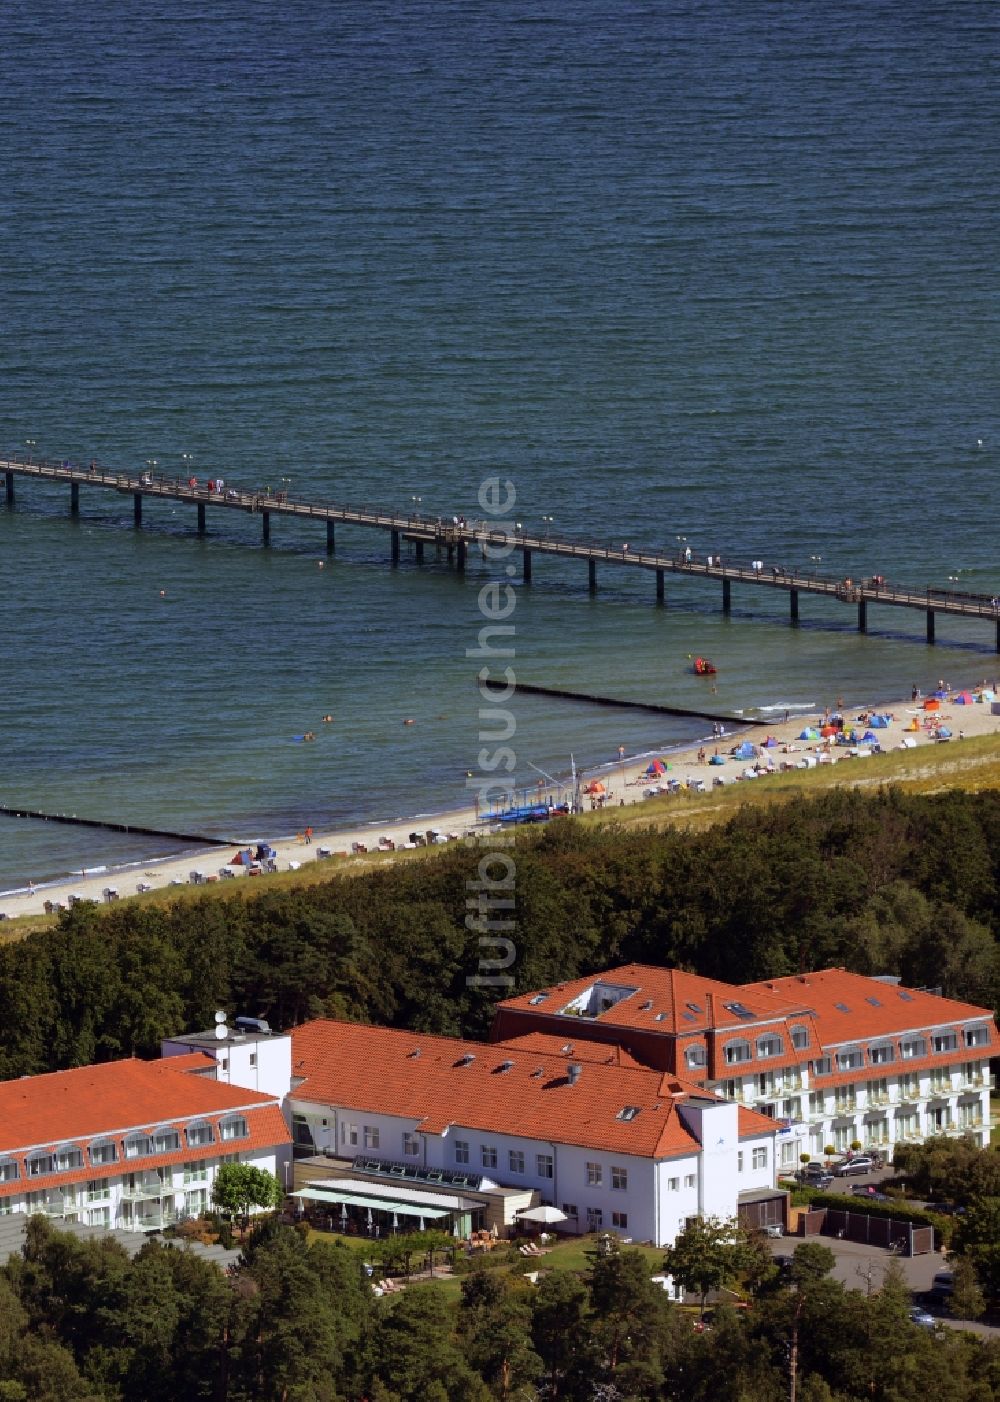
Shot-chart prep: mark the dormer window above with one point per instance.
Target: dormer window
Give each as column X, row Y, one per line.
column 945, row 1041
column 821, row 1066
column 800, row 1037
column 9, row 1172
column 234, row 1127
column 138, row 1146
column 166, row 1141
column 39, row 1164
column 103, row 1151
column 769, row 1045
column 68, row 1157
column 883, row 1054
column 850, row 1060
column 694, row 1056
column 199, row 1134
column 977, row 1036
column 737, row 1051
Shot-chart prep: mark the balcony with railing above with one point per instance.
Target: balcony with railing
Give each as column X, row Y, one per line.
column 151, row 1221
column 54, row 1205
column 145, row 1190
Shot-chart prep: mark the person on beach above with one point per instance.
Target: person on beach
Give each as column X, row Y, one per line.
column 309, row 837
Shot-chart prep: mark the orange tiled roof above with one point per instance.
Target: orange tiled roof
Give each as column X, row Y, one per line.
column 852, row 1007
column 196, row 1061
column 752, row 1123
column 112, row 1098
column 667, row 1001
column 576, row 1049
column 422, row 1078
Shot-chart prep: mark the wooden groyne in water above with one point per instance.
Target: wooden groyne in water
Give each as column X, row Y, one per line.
column 197, row 839
column 560, row 694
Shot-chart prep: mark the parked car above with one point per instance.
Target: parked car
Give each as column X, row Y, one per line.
column 773, row 1229
column 942, row 1288
column 921, row 1317
column 861, row 1163
column 819, row 1180
column 865, row 1190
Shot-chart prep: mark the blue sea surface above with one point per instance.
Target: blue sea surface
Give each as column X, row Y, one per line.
column 693, row 271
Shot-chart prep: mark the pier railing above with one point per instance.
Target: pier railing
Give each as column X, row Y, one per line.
column 457, row 536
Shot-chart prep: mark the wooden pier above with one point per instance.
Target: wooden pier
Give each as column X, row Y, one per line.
column 496, row 542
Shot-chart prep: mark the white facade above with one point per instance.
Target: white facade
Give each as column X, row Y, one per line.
column 877, row 1111
column 642, row 1198
column 141, row 1199
column 248, row 1059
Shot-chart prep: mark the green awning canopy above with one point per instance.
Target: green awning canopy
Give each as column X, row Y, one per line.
column 409, row 1209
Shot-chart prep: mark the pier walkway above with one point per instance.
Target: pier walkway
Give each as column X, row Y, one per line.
column 458, row 539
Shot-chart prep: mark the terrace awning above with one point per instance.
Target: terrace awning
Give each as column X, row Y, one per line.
column 385, row 1204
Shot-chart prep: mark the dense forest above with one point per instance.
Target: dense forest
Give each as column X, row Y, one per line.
column 80, row 1322
column 886, row 882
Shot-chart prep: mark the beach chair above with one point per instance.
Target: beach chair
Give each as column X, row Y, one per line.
column 142, row 886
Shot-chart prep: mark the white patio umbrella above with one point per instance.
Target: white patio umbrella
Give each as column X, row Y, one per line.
column 543, row 1213
column 343, row 1215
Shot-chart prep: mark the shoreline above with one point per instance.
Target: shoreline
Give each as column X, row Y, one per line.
column 625, row 782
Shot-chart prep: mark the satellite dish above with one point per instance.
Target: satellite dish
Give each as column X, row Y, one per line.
column 221, row 1032
column 220, row 1016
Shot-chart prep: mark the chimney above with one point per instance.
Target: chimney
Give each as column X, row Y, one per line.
column 710, row 1008
column 573, row 1072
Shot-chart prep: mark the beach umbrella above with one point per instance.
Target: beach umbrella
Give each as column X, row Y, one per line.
column 343, row 1215
column 544, row 1212
column 369, row 1216
column 421, row 1221
column 932, row 703
column 395, row 1222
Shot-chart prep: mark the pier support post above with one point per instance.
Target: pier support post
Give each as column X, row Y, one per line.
column 460, row 557
column 418, row 551
column 727, row 600
column 526, row 556
column 137, row 509
column 862, row 616
column 201, row 518
column 330, row 541
column 592, row 575
column 930, row 625
column 660, row 590
column 74, row 498
column 265, row 527
column 793, row 605
column 9, row 485
column 394, row 546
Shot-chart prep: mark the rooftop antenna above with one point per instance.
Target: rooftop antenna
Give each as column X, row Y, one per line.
column 221, row 1030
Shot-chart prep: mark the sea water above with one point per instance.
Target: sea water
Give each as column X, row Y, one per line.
column 685, row 274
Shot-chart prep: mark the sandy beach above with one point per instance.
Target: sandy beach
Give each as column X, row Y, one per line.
column 621, row 783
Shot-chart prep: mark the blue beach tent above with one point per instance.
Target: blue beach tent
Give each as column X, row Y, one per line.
column 745, row 751
column 879, row 722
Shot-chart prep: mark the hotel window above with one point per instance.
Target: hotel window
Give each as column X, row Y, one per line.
column 689, row 1180
column 882, row 1055
column 199, row 1135
column 850, row 1059
column 253, row 1059
column 349, row 1134
column 765, row 1083
column 673, row 1185
column 166, row 1141
column 817, row 1102
column 843, row 1099
column 800, row 1038
column 909, row 1086
column 945, row 1041
column 97, row 1190
column 194, row 1172
column 620, row 1220
column 739, row 1161
column 737, row 1051
column 545, row 1166
column 38, row 1165
column 8, row 1170
column 760, row 1158
column 68, row 1158
column 940, row 1082
column 769, row 1045
column 916, row 1046
column 595, row 1219
column 411, row 1145
column 515, row 1160
column 138, row 1146
column 595, row 1175
column 461, row 1151
column 6, row 1207
column 99, row 1217
column 619, row 1179
column 489, row 1154
column 907, row 1126
column 695, row 1056
column 570, row 1210
column 105, row 1151
column 977, row 1036
column 234, row 1127
column 878, row 1090
column 371, row 1136
column 732, row 1090
column 791, row 1109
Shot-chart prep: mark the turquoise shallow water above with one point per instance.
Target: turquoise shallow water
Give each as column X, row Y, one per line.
column 720, row 273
